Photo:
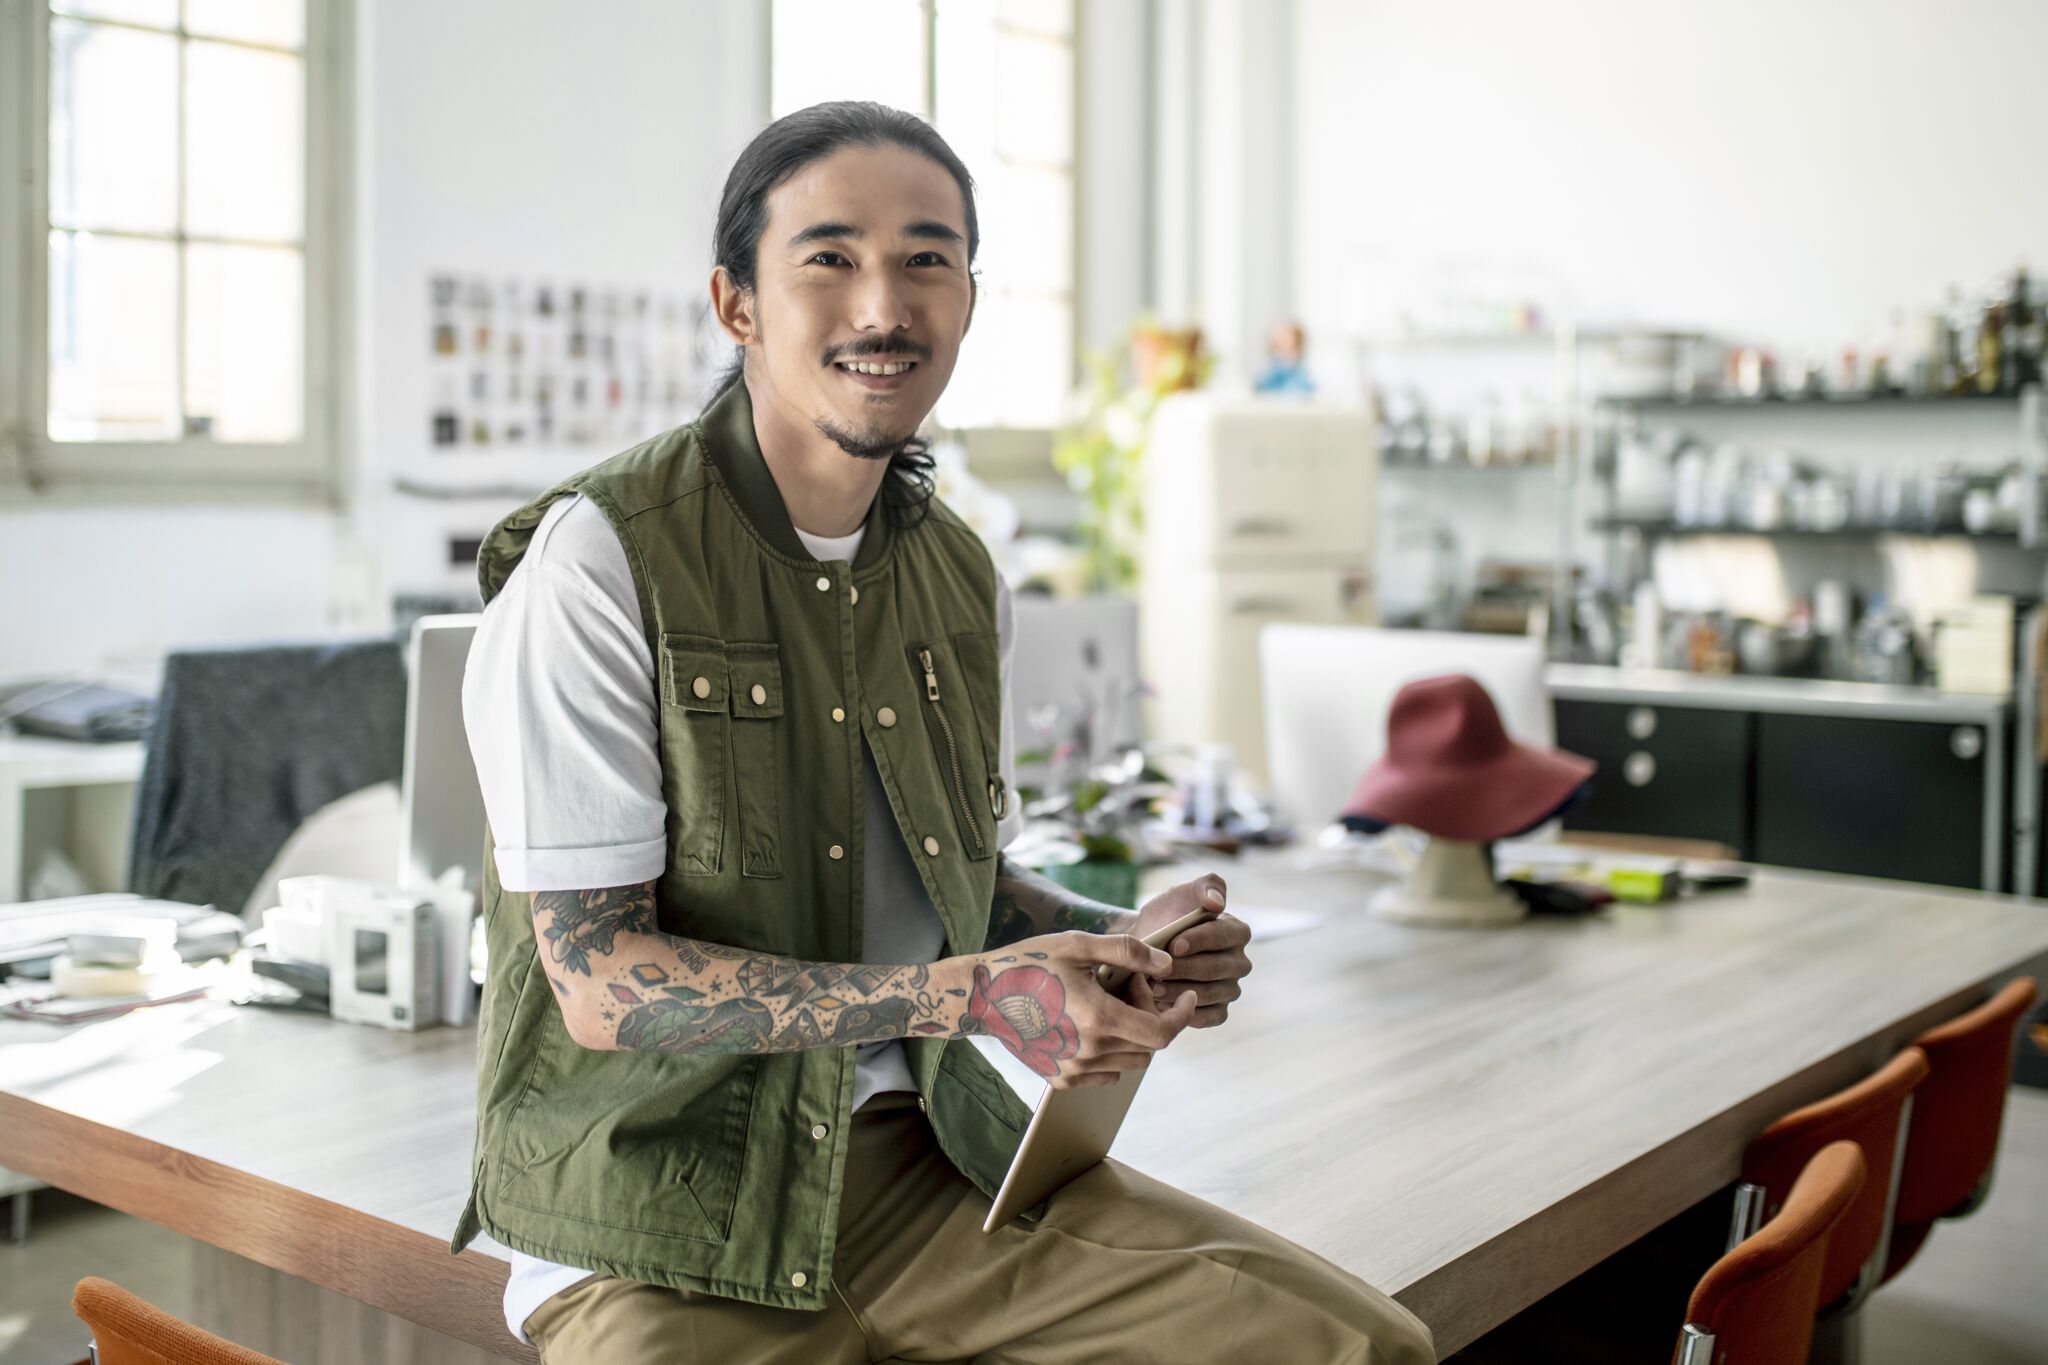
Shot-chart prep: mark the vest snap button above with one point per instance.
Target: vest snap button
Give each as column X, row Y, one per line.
column 760, row 695
column 856, row 595
column 818, row 1131
column 701, row 687
column 836, row 852
column 799, row 1279
column 931, row 845
column 838, row 713
column 886, row 716
column 824, row 585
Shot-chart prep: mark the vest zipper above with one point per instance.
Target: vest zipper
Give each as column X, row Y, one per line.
column 931, row 693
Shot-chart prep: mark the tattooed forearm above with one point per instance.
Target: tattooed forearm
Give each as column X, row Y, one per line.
column 1027, row 904
column 625, row 985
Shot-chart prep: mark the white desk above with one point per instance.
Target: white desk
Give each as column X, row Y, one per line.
column 102, row 775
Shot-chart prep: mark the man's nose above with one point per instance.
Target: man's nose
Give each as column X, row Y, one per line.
column 883, row 304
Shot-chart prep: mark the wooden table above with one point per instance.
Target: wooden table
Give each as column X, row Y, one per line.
column 1464, row 1118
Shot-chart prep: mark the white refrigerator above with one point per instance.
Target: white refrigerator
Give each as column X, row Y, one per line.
column 1256, row 511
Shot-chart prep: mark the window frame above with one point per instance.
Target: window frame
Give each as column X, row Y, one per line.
column 1071, row 296
column 313, row 469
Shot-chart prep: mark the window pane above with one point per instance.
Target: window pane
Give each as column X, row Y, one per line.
column 829, row 51
column 113, row 338
column 113, row 128
column 1052, row 17
column 154, row 13
column 245, row 317
column 245, row 132
column 280, row 23
column 1016, row 365
column 1034, row 94
column 1027, row 229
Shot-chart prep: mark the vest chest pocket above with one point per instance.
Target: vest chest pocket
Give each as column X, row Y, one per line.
column 694, row 727
column 756, row 672
column 721, row 709
column 950, row 675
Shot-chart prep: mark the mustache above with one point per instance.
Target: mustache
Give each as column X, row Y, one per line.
column 899, row 344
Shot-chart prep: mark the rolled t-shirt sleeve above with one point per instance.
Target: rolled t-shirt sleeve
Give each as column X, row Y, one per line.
column 558, row 699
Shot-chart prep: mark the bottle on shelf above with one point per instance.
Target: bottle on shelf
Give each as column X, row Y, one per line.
column 1991, row 349
column 2027, row 322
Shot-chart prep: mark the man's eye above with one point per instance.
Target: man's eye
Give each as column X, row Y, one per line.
column 927, row 258
column 827, row 258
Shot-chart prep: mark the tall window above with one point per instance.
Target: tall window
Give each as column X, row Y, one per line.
column 180, row 299
column 996, row 77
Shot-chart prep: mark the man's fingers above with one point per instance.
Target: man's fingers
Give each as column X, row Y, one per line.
column 1117, row 1062
column 1221, row 933
column 1219, row 966
column 1143, row 1028
column 1206, row 992
column 1124, row 950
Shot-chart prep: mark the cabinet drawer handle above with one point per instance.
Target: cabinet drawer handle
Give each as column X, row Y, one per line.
column 1966, row 741
column 1642, row 722
column 1638, row 768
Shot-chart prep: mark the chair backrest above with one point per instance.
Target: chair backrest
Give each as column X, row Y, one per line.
column 1869, row 1114
column 1958, row 1109
column 127, row 1330
column 1756, row 1305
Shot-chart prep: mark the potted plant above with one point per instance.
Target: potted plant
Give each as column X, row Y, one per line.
column 1102, row 453
column 1089, row 834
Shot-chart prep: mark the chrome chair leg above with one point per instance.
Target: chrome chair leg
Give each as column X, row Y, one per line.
column 1748, row 1214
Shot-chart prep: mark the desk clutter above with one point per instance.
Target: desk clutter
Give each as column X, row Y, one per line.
column 359, row 952
column 92, row 957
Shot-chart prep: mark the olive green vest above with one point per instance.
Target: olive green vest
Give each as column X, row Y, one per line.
column 705, row 1172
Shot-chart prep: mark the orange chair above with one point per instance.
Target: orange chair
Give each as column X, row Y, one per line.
column 1956, row 1116
column 1756, row 1305
column 1872, row 1114
column 130, row 1331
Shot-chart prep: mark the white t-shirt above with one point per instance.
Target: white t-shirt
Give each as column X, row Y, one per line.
column 558, row 699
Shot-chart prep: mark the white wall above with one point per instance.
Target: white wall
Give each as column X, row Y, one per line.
column 1784, row 175
column 535, row 140
column 1781, row 173
column 522, row 137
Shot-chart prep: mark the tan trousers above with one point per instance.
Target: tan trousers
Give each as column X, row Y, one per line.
column 1122, row 1269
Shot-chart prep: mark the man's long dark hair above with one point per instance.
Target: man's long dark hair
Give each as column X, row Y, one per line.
column 782, row 149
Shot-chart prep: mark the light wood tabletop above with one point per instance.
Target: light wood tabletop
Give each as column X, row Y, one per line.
column 1465, row 1118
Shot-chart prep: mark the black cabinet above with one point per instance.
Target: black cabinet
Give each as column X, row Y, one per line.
column 1677, row 771
column 1879, row 798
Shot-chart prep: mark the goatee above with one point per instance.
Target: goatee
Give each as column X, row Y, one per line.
column 873, row 445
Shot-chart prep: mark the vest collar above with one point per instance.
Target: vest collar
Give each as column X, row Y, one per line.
column 728, row 427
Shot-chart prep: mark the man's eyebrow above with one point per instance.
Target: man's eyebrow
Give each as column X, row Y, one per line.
column 931, row 230
column 820, row 232
column 927, row 229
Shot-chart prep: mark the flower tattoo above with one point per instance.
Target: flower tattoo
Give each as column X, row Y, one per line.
column 1025, row 1009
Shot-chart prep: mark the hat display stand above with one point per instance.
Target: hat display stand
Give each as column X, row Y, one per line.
column 1450, row 771
column 1452, row 885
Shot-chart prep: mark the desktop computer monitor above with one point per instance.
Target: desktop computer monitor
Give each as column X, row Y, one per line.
column 1329, row 688
column 441, row 804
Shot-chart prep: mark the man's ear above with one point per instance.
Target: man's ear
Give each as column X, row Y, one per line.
column 973, row 297
column 734, row 308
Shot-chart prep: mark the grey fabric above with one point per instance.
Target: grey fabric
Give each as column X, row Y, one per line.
column 247, row 743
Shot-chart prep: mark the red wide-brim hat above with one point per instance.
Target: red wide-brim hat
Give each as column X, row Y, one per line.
column 1451, row 770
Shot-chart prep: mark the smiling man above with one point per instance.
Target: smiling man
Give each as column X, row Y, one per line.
column 737, row 704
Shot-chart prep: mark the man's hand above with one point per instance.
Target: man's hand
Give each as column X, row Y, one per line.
column 1041, row 1000
column 1208, row 959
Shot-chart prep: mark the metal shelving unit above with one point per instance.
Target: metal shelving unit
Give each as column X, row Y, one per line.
column 2025, row 764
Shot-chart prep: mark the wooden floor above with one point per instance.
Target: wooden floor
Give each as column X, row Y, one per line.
column 1975, row 1296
